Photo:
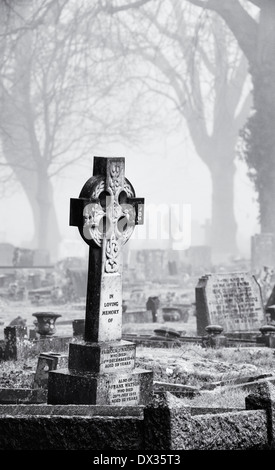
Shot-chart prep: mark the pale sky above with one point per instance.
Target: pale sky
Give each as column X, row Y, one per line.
column 167, row 172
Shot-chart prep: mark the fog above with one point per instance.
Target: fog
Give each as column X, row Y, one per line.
column 167, row 86
column 168, row 172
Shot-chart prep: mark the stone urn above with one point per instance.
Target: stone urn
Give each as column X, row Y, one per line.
column 267, row 338
column 45, row 324
column 214, row 338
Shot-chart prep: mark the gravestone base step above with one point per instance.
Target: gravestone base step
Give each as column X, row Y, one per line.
column 132, row 387
column 114, row 356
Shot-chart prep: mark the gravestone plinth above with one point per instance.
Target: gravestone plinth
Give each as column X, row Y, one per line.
column 102, row 358
column 231, row 300
column 101, row 367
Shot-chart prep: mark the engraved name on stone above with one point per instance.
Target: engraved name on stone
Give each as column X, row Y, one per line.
column 124, row 390
column 234, row 299
column 122, row 358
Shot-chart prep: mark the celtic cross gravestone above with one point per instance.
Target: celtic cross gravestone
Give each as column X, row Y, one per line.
column 101, row 368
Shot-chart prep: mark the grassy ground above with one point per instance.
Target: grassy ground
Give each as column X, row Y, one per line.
column 187, row 364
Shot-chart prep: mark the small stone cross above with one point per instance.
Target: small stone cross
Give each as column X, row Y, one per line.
column 105, row 213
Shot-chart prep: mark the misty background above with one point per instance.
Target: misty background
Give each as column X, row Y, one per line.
column 169, row 85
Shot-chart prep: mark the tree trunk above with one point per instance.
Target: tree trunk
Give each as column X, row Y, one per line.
column 224, row 227
column 262, row 146
column 48, row 236
column 261, row 143
column 36, row 186
column 257, row 40
column 22, row 149
column 218, row 153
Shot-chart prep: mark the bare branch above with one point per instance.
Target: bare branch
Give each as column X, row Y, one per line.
column 135, row 5
column 242, row 25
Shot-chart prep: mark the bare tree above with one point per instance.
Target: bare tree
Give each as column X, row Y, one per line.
column 253, row 24
column 197, row 65
column 58, row 94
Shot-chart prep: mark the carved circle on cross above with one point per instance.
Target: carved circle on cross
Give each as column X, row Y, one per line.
column 108, row 214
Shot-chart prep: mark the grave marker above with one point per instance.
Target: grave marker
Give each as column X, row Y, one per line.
column 262, row 251
column 101, row 368
column 231, row 300
column 15, row 347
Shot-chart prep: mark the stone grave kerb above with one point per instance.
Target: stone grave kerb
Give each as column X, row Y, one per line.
column 105, row 213
column 101, row 367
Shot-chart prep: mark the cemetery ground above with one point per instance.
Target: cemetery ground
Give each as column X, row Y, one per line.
column 200, row 369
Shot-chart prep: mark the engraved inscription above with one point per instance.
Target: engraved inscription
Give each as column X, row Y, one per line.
column 122, row 358
column 124, row 391
column 234, row 301
column 110, row 315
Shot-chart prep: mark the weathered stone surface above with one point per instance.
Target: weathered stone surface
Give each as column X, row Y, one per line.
column 231, row 300
column 70, row 433
column 70, row 410
column 241, row 430
column 263, row 396
column 15, row 342
column 47, row 362
column 105, row 213
column 167, row 424
column 22, row 395
column 128, row 388
column 102, row 357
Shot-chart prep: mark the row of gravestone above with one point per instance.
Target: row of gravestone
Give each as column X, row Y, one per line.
column 11, row 255
column 101, row 368
column 230, row 300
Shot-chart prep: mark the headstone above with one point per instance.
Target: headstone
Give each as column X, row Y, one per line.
column 153, row 305
column 22, row 257
column 173, row 269
column 15, row 339
column 78, row 282
column 231, row 300
column 262, row 251
column 151, row 264
column 47, row 361
column 101, row 369
column 6, row 254
column 78, row 327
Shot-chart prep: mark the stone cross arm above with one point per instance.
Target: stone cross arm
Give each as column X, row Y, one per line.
column 107, row 204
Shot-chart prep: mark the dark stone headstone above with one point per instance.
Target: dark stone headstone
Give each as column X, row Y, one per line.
column 46, row 362
column 101, row 367
column 78, row 327
column 153, row 305
column 15, row 339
